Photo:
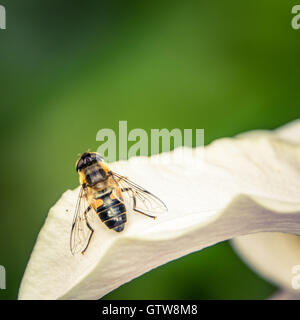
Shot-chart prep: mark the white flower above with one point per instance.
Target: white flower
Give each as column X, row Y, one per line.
column 276, row 256
column 248, row 184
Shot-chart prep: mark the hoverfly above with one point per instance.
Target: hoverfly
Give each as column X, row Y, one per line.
column 110, row 195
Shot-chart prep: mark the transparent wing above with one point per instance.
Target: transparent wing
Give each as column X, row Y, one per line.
column 138, row 198
column 80, row 232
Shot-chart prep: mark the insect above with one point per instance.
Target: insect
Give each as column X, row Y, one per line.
column 110, row 195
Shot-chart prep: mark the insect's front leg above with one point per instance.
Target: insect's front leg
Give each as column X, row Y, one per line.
column 89, row 226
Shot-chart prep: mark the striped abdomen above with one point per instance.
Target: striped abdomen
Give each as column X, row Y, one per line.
column 112, row 212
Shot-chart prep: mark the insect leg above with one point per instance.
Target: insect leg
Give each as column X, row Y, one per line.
column 134, row 204
column 89, row 226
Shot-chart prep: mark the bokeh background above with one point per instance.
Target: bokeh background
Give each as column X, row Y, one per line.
column 70, row 68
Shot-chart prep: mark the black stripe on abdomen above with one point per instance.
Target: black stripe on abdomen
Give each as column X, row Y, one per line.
column 116, row 223
column 112, row 213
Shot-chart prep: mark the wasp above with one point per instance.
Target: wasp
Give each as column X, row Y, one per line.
column 110, row 196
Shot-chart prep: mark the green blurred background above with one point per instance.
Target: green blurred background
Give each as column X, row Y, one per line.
column 70, row 68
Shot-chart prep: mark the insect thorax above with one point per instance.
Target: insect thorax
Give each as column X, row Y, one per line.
column 95, row 175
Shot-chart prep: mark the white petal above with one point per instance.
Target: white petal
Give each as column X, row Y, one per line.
column 245, row 185
column 275, row 256
column 284, row 295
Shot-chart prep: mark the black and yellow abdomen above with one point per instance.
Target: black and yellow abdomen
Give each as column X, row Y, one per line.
column 111, row 211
